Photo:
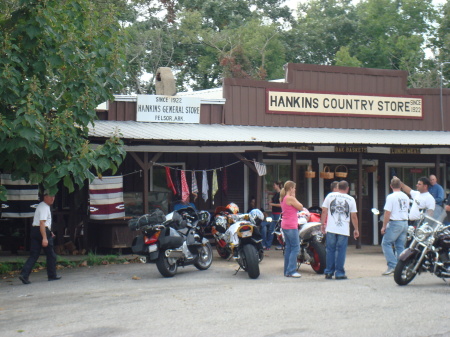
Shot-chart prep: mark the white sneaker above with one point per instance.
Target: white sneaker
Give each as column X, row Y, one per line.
column 388, row 271
column 296, row 275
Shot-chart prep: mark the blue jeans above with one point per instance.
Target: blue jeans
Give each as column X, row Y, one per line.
column 336, row 253
column 395, row 235
column 267, row 229
column 292, row 248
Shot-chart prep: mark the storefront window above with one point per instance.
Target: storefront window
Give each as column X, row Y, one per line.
column 281, row 172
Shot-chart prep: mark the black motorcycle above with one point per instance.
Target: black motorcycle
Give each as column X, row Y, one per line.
column 429, row 249
column 173, row 240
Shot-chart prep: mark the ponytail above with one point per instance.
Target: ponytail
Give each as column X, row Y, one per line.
column 282, row 194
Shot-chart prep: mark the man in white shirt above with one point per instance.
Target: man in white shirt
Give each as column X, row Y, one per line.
column 338, row 209
column 422, row 199
column 41, row 237
column 395, row 225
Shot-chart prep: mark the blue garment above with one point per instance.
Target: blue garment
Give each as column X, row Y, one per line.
column 292, row 248
column 395, row 235
column 336, row 253
column 267, row 229
column 437, row 192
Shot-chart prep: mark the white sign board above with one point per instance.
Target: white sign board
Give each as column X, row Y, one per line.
column 306, row 103
column 168, row 109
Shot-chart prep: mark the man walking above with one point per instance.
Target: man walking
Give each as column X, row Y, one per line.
column 41, row 237
column 338, row 209
column 436, row 190
column 395, row 225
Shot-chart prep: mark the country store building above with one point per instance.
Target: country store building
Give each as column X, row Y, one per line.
column 363, row 125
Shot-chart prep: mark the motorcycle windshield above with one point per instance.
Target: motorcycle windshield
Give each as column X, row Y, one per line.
column 434, row 218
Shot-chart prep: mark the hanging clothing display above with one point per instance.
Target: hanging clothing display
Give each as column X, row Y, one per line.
column 184, row 187
column 260, row 168
column 169, row 181
column 194, row 186
column 176, row 182
column 205, row 186
column 22, row 198
column 215, row 186
column 106, row 198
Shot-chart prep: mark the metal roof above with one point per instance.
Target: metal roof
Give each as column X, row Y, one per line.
column 132, row 130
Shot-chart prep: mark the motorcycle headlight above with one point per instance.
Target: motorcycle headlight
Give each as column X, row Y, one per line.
column 423, row 232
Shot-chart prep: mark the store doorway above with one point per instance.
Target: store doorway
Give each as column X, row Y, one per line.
column 352, row 177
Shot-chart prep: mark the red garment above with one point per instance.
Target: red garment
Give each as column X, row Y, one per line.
column 169, row 181
column 184, row 187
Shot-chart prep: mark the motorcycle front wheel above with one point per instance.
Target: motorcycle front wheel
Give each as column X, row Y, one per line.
column 250, row 260
column 403, row 273
column 319, row 254
column 205, row 256
column 166, row 266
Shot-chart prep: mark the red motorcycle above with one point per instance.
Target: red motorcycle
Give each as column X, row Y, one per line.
column 312, row 247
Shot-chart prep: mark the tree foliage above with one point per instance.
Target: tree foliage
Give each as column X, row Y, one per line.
column 206, row 40
column 59, row 59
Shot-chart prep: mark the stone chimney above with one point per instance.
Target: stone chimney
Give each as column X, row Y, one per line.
column 165, row 82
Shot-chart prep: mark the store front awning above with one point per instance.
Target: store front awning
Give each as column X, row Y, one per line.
column 217, row 133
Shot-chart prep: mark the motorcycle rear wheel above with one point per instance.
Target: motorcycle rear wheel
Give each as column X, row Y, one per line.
column 250, row 260
column 318, row 252
column 166, row 266
column 205, row 257
column 403, row 271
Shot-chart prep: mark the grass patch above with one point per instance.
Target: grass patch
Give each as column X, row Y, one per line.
column 9, row 268
column 95, row 260
column 65, row 262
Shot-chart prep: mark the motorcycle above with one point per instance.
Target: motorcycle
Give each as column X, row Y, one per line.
column 312, row 247
column 173, row 240
column 244, row 242
column 219, row 224
column 429, row 249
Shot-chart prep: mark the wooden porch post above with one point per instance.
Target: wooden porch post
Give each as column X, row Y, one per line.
column 360, row 196
column 145, row 166
column 293, row 166
column 438, row 168
column 259, row 180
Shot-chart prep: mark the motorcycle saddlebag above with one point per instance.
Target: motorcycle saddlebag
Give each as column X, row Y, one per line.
column 138, row 245
column 170, row 238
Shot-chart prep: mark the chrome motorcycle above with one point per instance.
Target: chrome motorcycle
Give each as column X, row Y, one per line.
column 429, row 250
column 173, row 240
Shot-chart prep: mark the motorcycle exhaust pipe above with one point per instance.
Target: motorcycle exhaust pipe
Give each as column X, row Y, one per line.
column 174, row 253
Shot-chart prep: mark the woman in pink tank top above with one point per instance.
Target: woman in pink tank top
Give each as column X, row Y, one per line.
column 289, row 224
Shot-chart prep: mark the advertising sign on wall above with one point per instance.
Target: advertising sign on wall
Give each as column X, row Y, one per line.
column 308, row 103
column 168, row 109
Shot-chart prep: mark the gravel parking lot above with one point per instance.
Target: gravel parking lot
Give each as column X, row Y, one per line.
column 135, row 300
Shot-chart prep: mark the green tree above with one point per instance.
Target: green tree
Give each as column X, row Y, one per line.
column 59, row 59
column 322, row 28
column 391, row 34
column 344, row 59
